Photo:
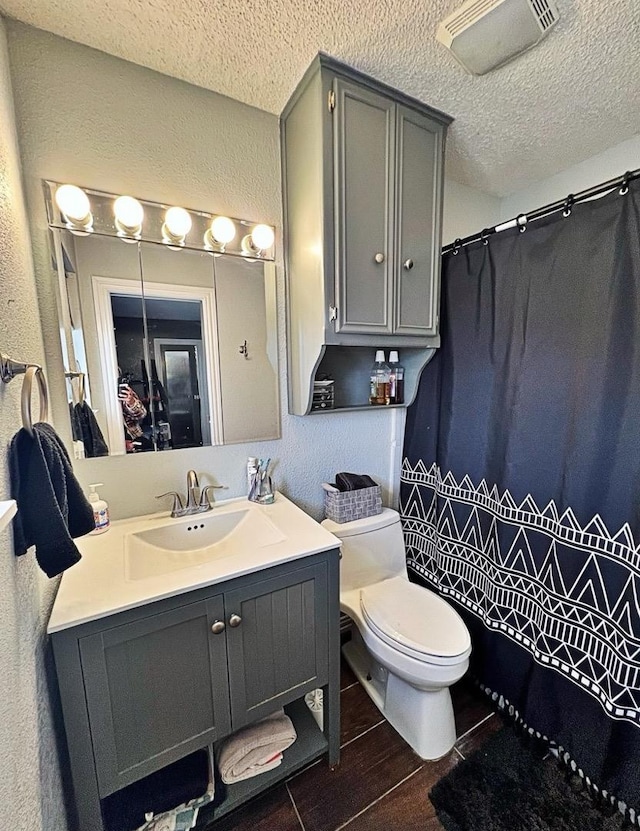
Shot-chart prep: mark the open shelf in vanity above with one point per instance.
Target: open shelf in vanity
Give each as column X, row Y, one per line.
column 310, row 745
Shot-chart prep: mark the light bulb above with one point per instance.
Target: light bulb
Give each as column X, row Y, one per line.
column 223, row 229
column 129, row 214
column 262, row 237
column 74, row 204
column 177, row 224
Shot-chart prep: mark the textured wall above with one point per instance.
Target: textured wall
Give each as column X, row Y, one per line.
column 613, row 162
column 30, row 794
column 126, row 129
column 466, row 211
column 123, row 128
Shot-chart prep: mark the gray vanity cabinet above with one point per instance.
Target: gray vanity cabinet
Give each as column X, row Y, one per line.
column 145, row 687
column 156, row 690
column 279, row 648
column 363, row 180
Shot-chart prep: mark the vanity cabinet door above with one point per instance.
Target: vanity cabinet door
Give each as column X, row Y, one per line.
column 363, row 171
column 277, row 641
column 156, row 690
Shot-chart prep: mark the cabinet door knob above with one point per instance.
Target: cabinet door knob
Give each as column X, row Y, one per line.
column 408, row 264
column 379, row 257
column 218, row 626
column 235, row 620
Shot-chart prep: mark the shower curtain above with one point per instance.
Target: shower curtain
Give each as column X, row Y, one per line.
column 520, row 486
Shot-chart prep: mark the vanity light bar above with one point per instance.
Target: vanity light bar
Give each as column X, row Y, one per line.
column 84, row 210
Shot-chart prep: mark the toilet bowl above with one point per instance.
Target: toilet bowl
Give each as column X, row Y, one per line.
column 408, row 644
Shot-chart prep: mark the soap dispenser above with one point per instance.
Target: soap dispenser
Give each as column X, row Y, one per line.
column 100, row 510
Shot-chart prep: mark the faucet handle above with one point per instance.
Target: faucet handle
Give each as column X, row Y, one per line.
column 204, row 497
column 177, row 501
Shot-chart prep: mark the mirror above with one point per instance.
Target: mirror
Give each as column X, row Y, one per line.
column 164, row 347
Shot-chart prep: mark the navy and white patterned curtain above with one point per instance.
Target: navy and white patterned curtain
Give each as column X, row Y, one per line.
column 520, row 490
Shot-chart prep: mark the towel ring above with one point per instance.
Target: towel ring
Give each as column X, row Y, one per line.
column 25, row 400
column 81, row 390
column 79, row 377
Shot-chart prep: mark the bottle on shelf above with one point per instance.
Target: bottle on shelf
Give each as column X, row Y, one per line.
column 396, row 379
column 379, row 389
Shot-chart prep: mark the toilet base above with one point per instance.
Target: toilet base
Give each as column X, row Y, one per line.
column 424, row 718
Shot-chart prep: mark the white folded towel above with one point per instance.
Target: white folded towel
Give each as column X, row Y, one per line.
column 256, row 748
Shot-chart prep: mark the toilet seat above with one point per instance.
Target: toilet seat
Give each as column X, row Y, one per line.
column 415, row 621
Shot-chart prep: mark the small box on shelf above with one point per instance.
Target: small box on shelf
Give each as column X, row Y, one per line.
column 323, row 395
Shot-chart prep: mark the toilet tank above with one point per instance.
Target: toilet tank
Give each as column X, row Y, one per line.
column 372, row 549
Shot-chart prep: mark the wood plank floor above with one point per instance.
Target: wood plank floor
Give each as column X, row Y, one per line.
column 380, row 784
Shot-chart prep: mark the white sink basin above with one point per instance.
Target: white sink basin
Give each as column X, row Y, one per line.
column 193, row 541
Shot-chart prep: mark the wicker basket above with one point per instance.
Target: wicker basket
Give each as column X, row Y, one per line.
column 346, row 506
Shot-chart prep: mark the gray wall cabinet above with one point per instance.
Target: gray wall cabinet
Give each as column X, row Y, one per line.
column 143, row 688
column 362, row 179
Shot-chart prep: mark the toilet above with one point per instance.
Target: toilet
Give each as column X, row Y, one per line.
column 408, row 645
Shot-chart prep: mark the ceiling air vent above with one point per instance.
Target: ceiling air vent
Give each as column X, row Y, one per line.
column 485, row 34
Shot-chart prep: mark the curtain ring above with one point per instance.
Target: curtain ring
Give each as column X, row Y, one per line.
column 568, row 205
column 521, row 219
column 457, row 245
column 484, row 236
column 625, row 183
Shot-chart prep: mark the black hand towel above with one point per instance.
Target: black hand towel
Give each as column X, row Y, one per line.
column 51, row 506
column 353, row 481
column 90, row 432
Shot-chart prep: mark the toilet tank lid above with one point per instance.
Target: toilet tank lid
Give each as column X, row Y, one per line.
column 362, row 526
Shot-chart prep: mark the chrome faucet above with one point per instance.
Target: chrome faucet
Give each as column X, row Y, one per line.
column 192, row 492
column 194, row 504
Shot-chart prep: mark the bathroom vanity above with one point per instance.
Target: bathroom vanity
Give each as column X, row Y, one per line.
column 154, row 664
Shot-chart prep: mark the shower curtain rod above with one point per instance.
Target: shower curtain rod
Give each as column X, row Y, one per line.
column 522, row 220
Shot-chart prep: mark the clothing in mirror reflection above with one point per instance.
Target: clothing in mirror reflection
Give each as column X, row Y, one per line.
column 133, row 413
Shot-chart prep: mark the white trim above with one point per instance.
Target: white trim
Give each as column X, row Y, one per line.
column 396, row 441
column 103, row 288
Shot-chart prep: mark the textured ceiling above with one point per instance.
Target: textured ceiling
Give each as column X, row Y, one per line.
column 575, row 94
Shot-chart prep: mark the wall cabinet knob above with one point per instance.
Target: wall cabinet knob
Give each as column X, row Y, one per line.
column 408, row 264
column 235, row 620
column 218, row 627
column 379, row 257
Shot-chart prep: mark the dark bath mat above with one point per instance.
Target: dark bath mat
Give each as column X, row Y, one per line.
column 507, row 786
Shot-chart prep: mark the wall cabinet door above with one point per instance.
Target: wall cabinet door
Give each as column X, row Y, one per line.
column 387, row 162
column 156, row 689
column 363, row 190
column 419, row 157
column 278, row 648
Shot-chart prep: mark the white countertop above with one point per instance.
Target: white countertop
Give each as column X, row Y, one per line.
column 7, row 512
column 97, row 586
